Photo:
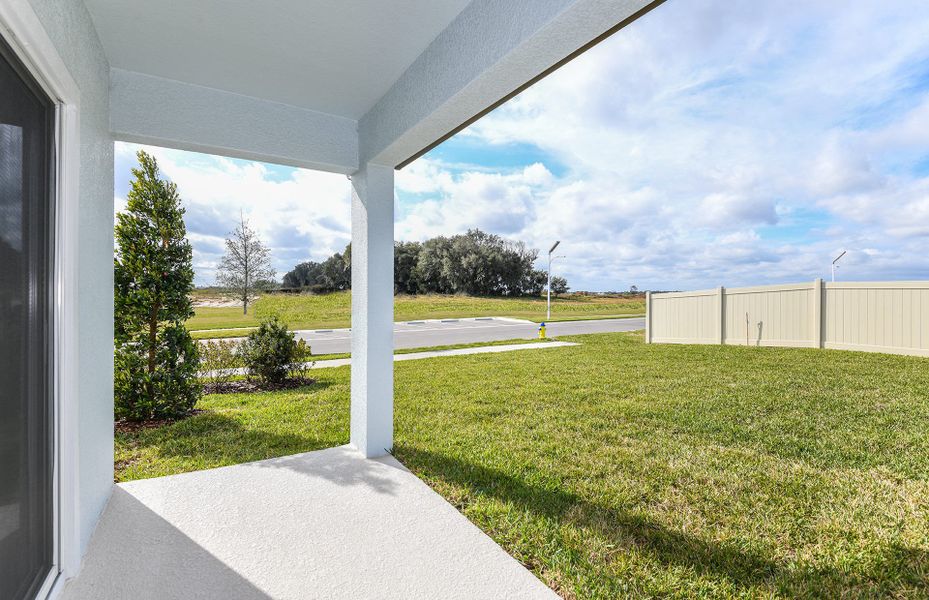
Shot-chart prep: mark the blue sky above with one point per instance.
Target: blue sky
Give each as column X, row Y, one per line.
column 709, row 143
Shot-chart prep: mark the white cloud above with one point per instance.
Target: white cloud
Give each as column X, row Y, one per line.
column 499, row 203
column 726, row 142
column 423, row 177
column 300, row 214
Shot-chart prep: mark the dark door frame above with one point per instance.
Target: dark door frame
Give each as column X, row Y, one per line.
column 22, row 30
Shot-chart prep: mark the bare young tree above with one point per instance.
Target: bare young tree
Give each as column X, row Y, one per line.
column 246, row 266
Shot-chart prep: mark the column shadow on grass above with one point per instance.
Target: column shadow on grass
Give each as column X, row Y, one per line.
column 900, row 570
column 218, row 439
column 221, row 440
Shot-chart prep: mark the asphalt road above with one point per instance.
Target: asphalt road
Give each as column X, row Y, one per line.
column 422, row 334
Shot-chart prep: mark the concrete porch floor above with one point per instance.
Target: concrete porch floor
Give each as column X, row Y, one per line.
column 326, row 524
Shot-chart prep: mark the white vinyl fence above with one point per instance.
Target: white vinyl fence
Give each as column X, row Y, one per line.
column 888, row 317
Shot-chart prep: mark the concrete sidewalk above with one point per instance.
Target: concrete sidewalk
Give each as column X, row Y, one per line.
column 341, row 362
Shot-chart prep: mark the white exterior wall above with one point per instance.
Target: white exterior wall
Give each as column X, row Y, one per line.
column 69, row 26
column 890, row 317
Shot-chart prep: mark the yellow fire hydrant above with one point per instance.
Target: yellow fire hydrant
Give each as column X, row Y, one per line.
column 542, row 331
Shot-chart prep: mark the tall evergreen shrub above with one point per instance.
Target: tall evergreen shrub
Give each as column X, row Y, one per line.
column 156, row 360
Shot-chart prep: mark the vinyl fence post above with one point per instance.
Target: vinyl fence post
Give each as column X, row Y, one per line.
column 648, row 317
column 721, row 299
column 818, row 309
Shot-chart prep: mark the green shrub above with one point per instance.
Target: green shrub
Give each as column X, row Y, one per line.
column 300, row 362
column 155, row 360
column 268, row 351
column 165, row 387
column 219, row 359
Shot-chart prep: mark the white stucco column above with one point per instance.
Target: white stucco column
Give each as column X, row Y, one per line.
column 372, row 413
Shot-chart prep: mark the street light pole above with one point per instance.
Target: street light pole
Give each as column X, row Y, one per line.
column 548, row 303
column 834, row 267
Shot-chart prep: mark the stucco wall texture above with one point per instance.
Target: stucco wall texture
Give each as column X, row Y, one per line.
column 69, row 26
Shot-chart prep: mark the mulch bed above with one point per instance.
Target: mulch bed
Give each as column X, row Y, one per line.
column 124, row 426
column 244, row 386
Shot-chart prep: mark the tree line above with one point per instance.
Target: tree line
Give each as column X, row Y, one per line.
column 475, row 263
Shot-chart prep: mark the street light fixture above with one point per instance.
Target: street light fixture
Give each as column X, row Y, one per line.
column 549, row 301
column 834, row 266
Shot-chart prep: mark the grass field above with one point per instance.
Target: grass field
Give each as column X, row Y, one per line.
column 617, row 469
column 334, row 310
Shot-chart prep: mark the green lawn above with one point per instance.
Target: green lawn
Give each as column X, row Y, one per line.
column 334, row 310
column 617, row 469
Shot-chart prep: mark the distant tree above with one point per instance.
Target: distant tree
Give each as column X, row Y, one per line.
column 633, row 289
column 303, row 275
column 560, row 285
column 336, row 272
column 267, row 284
column 332, row 275
column 475, row 263
column 432, row 267
column 406, row 258
column 478, row 263
column 156, row 361
column 246, row 266
column 534, row 282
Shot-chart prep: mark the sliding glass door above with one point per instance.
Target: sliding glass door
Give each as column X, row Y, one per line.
column 27, row 508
